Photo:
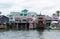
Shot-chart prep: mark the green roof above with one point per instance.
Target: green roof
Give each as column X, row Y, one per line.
column 25, row 10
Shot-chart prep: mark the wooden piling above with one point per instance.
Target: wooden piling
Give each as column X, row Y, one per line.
column 25, row 26
column 5, row 26
column 17, row 26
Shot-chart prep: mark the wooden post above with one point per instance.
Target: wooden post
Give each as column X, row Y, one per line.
column 25, row 26
column 5, row 26
column 10, row 25
column 14, row 25
column 17, row 26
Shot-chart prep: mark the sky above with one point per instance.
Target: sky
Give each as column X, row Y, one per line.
column 46, row 7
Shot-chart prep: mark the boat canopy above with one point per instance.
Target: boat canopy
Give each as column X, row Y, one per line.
column 54, row 22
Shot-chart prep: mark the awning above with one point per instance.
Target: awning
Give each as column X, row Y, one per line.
column 28, row 16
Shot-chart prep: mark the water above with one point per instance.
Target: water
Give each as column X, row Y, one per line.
column 30, row 34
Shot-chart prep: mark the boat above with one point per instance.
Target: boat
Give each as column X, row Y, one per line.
column 40, row 25
column 53, row 27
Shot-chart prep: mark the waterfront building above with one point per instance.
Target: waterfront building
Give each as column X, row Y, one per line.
column 45, row 19
column 4, row 21
column 40, row 21
column 54, row 18
column 22, row 18
column 48, row 20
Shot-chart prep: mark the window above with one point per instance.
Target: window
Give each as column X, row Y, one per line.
column 24, row 20
column 16, row 20
column 32, row 15
column 21, row 14
column 11, row 18
column 25, row 14
column 10, row 15
column 40, row 18
column 29, row 19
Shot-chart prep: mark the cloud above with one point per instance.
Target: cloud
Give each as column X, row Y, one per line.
column 6, row 3
column 47, row 7
column 3, row 6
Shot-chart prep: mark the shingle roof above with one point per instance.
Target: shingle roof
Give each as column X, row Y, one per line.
column 48, row 18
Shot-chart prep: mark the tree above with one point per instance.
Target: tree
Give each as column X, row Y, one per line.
column 54, row 14
column 58, row 12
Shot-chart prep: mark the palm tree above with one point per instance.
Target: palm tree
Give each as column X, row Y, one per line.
column 54, row 14
column 58, row 12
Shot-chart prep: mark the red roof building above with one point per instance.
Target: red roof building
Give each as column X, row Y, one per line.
column 54, row 16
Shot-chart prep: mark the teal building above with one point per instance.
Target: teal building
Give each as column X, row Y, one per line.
column 23, row 14
column 23, row 18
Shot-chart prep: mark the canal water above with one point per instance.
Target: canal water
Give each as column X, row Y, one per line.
column 30, row 34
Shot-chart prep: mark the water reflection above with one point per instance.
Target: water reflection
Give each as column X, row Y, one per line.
column 40, row 32
column 30, row 34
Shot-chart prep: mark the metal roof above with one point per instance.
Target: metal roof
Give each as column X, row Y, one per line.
column 48, row 18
